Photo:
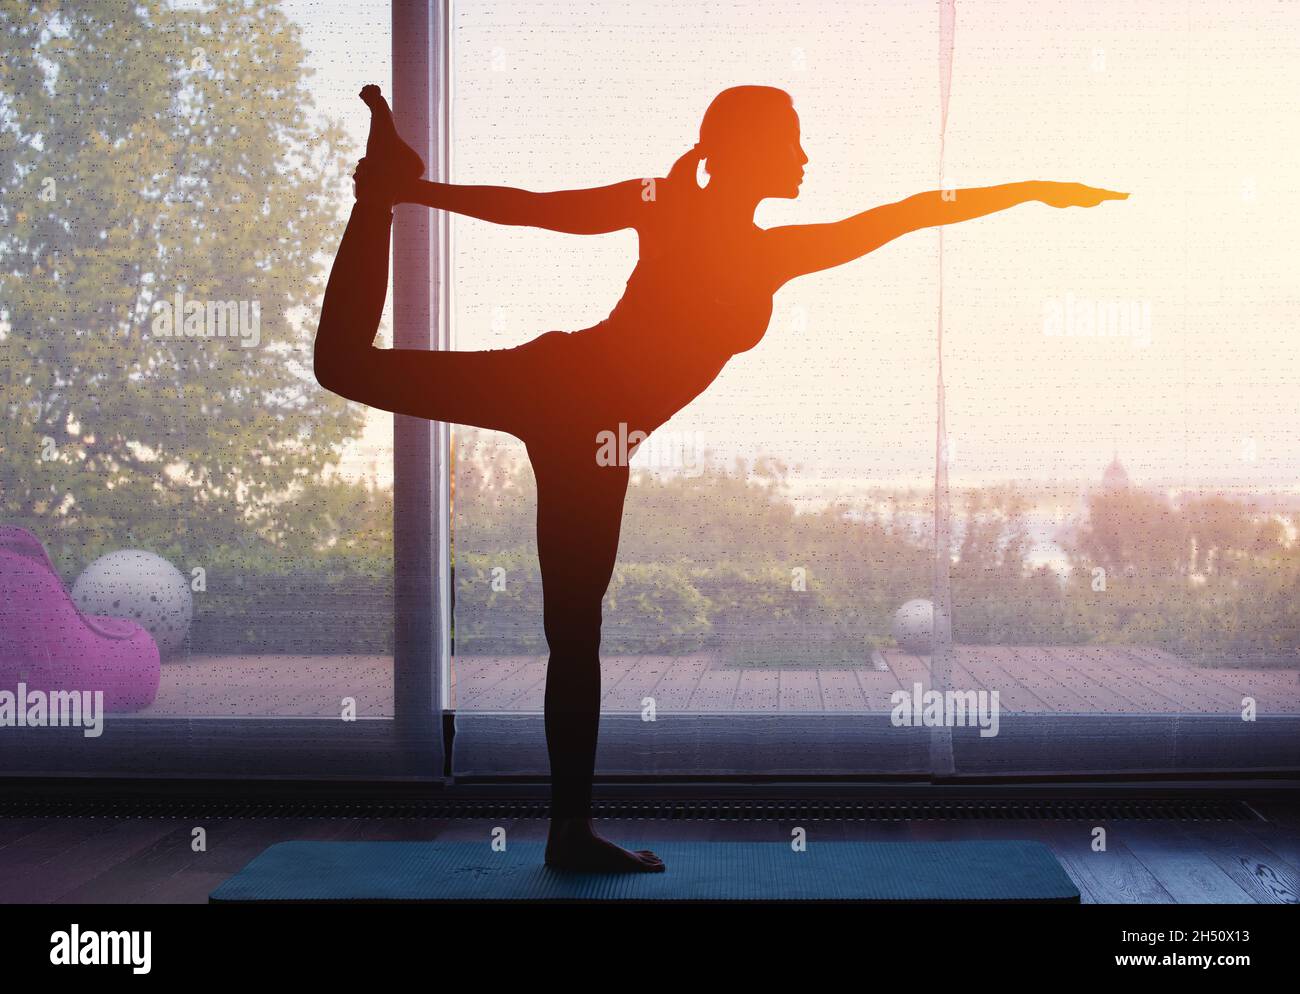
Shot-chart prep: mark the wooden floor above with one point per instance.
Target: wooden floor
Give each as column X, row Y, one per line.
column 1029, row 679
column 1147, row 862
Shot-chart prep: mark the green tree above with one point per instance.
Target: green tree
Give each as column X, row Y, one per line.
column 1222, row 533
column 1133, row 532
column 148, row 150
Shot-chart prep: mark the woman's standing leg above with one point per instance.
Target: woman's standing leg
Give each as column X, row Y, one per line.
column 579, row 516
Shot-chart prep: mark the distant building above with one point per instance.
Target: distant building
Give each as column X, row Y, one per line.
column 1115, row 478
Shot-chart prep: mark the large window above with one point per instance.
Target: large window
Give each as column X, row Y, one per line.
column 1121, row 517
column 175, row 180
column 1121, row 558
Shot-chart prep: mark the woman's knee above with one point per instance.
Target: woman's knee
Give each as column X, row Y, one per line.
column 573, row 629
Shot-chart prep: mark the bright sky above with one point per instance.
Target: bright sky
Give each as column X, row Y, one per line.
column 1186, row 104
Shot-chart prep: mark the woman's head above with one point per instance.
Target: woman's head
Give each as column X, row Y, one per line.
column 749, row 139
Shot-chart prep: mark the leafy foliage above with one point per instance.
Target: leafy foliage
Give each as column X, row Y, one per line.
column 145, row 151
column 706, row 561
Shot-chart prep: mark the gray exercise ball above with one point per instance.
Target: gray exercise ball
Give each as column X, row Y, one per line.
column 914, row 626
column 141, row 587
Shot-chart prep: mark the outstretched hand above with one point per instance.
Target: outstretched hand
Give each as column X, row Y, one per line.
column 1073, row 194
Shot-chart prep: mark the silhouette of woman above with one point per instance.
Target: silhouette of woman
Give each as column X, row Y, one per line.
column 701, row 292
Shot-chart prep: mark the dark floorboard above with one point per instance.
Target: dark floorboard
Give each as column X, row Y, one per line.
column 1178, row 864
column 1252, row 865
column 1284, row 840
column 1110, row 876
column 101, row 860
column 12, row 829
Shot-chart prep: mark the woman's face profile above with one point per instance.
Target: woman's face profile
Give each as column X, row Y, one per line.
column 764, row 158
column 788, row 160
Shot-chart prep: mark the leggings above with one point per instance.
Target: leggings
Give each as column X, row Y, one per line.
column 555, row 393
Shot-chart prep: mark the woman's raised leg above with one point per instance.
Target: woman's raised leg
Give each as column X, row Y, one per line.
column 474, row 388
column 486, row 389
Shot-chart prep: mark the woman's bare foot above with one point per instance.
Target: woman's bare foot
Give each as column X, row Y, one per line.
column 390, row 165
column 574, row 845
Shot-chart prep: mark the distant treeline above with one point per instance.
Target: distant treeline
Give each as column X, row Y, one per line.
column 720, row 560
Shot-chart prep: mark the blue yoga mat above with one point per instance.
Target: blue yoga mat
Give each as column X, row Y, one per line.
column 697, row 871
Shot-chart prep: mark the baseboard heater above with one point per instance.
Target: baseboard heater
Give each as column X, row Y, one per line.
column 731, row 809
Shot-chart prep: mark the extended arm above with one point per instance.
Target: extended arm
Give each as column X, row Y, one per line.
column 807, row 248
column 577, row 212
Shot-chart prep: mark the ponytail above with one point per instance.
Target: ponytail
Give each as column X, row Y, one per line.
column 682, row 175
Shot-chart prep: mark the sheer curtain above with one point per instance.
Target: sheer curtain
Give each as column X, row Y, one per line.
column 1123, row 462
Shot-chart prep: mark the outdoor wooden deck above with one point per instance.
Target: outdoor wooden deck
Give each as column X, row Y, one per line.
column 1029, row 679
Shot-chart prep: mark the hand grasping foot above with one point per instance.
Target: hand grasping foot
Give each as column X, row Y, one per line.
column 390, row 165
